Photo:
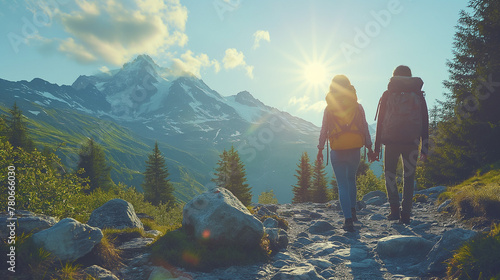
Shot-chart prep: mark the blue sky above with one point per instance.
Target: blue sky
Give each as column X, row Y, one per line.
column 283, row 52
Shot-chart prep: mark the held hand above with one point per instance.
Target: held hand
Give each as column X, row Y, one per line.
column 319, row 157
column 373, row 156
column 423, row 157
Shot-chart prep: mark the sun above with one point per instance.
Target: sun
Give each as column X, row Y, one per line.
column 315, row 73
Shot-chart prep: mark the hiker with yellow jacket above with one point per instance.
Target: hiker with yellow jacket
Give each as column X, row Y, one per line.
column 402, row 126
column 344, row 124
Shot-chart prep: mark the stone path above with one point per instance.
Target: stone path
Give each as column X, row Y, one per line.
column 379, row 249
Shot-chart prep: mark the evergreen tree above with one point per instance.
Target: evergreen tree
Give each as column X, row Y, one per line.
column 17, row 130
column 157, row 188
column 93, row 162
column 319, row 183
column 230, row 174
column 466, row 136
column 301, row 191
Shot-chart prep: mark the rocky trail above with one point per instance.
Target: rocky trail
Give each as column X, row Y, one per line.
column 379, row 249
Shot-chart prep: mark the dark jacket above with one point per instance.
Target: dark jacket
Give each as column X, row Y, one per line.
column 424, row 134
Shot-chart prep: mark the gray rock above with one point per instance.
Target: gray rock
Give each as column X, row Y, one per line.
column 366, row 263
column 116, row 213
column 100, row 273
column 160, row 273
column 218, row 216
column 322, row 248
column 378, row 200
column 321, row 227
column 270, row 223
column 443, row 249
column 68, row 239
column 320, row 263
column 277, row 237
column 26, row 222
column 444, row 206
column 403, row 246
column 377, row 217
column 305, row 272
column 373, row 194
column 353, row 254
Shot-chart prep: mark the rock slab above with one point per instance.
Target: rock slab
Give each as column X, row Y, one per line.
column 68, row 239
column 402, row 246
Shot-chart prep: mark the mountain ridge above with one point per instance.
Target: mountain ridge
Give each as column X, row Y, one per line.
column 180, row 111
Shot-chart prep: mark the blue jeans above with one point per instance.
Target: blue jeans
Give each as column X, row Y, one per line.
column 345, row 165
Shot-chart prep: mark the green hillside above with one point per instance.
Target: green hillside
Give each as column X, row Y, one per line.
column 64, row 131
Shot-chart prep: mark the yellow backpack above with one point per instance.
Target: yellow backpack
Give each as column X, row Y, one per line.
column 345, row 129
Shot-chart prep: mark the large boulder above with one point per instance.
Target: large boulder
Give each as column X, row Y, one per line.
column 218, row 216
column 403, row 246
column 116, row 213
column 68, row 239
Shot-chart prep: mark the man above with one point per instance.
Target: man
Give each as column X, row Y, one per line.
column 402, row 125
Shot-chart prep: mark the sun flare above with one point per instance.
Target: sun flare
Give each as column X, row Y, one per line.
column 315, row 74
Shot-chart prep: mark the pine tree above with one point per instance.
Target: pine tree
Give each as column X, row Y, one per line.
column 17, row 130
column 302, row 190
column 230, row 174
column 93, row 161
column 466, row 136
column 319, row 183
column 157, row 186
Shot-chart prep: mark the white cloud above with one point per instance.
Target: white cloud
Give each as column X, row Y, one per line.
column 115, row 31
column 105, row 70
column 233, row 58
column 75, row 51
column 304, row 104
column 260, row 35
column 190, row 63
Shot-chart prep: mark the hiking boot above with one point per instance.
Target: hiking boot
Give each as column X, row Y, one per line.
column 395, row 213
column 348, row 225
column 353, row 212
column 405, row 218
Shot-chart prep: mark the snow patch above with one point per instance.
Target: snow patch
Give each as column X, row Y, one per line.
column 34, row 112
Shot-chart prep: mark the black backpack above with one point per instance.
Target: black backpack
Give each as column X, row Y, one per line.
column 402, row 121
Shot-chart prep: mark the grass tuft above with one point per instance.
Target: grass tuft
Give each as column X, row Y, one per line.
column 478, row 258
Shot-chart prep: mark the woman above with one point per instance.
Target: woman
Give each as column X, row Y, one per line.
column 344, row 124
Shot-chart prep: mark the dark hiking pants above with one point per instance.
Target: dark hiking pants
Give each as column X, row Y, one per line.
column 393, row 152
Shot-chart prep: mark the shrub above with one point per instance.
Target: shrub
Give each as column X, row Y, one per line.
column 368, row 182
column 478, row 258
